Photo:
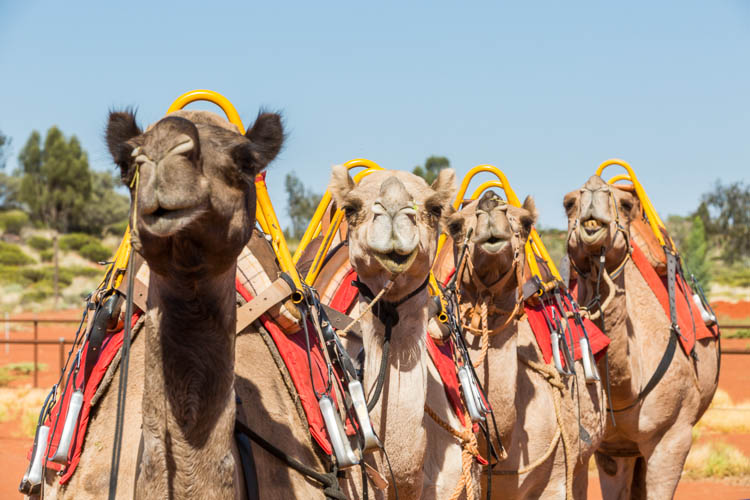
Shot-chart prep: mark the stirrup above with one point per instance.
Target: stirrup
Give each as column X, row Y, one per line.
column 74, row 409
column 555, row 340
column 34, row 474
column 589, row 364
column 345, row 456
column 371, row 441
column 474, row 403
column 708, row 318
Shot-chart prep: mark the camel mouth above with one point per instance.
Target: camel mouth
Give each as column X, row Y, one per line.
column 165, row 222
column 592, row 231
column 494, row 244
column 396, row 262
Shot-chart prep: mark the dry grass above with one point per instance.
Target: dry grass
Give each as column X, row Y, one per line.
column 725, row 416
column 22, row 403
column 716, row 460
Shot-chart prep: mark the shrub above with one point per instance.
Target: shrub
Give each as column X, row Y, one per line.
column 39, row 243
column 12, row 255
column 12, row 274
column 47, row 255
column 37, row 293
column 95, row 252
column 75, row 241
column 117, row 229
column 85, row 272
column 13, row 221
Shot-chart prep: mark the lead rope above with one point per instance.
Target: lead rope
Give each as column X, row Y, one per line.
column 469, row 452
column 125, row 357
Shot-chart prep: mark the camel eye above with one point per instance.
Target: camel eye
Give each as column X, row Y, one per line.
column 569, row 205
column 351, row 209
column 626, row 205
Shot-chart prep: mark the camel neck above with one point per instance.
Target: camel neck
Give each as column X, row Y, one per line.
column 615, row 323
column 188, row 397
column 398, row 414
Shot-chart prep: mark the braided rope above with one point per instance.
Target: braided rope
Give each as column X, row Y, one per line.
column 469, row 451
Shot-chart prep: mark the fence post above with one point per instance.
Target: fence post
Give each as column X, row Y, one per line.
column 36, row 353
column 62, row 354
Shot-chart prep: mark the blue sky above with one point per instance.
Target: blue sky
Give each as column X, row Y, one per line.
column 544, row 90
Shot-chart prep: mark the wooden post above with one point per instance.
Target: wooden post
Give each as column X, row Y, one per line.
column 36, row 353
column 62, row 354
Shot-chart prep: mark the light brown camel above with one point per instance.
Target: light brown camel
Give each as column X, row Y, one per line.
column 523, row 397
column 193, row 208
column 394, row 219
column 643, row 454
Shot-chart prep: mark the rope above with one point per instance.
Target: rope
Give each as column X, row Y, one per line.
column 469, row 451
column 553, row 378
column 367, row 309
column 485, row 334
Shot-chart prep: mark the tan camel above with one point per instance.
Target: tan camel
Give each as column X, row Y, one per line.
column 643, row 454
column 394, row 219
column 520, row 387
column 193, row 210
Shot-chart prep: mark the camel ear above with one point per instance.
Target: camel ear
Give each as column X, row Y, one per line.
column 528, row 219
column 445, row 186
column 341, row 184
column 121, row 127
column 266, row 136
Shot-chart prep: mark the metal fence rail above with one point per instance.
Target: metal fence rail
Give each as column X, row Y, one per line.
column 61, row 342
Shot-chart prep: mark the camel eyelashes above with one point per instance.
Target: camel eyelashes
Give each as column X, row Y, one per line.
column 569, row 205
column 626, row 205
column 351, row 208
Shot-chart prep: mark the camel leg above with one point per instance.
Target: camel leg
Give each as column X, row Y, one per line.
column 664, row 464
column 615, row 475
column 581, row 480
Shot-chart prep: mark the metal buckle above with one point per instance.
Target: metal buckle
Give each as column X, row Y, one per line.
column 339, row 440
column 371, row 441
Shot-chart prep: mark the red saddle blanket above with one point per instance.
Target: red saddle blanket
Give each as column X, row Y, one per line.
column 109, row 349
column 293, row 351
column 536, row 315
column 689, row 318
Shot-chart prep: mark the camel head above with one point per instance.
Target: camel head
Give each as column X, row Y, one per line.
column 394, row 220
column 599, row 217
column 193, row 203
column 493, row 223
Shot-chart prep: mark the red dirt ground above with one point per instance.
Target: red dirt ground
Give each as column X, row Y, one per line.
column 734, row 378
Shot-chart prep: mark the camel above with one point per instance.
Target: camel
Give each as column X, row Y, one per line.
column 394, row 219
column 523, row 391
column 643, row 452
column 193, row 209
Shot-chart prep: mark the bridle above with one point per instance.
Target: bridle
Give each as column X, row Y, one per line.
column 619, row 228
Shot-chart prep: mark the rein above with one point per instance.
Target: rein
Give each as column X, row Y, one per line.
column 125, row 356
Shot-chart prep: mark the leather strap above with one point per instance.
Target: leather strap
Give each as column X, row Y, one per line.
column 340, row 321
column 272, row 295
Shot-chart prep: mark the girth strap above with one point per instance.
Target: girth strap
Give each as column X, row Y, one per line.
column 661, row 369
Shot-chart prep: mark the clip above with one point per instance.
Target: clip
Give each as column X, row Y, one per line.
column 589, row 364
column 34, row 476
column 74, row 409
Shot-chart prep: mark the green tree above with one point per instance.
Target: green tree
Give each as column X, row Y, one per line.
column 105, row 208
column 56, row 181
column 301, row 204
column 727, row 209
column 432, row 167
column 694, row 251
column 9, row 184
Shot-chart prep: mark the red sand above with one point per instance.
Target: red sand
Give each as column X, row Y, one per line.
column 734, row 310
